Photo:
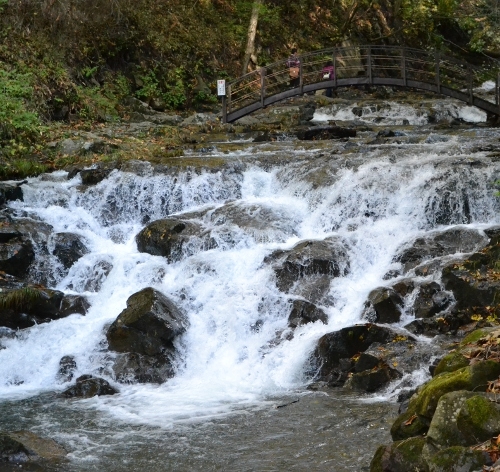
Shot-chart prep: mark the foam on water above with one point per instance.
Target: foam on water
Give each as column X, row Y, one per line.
column 235, row 352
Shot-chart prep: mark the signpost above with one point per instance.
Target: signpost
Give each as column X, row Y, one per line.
column 221, row 92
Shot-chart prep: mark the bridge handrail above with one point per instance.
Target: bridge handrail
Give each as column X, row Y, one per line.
column 357, row 65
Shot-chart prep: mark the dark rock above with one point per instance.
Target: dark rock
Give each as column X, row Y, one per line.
column 72, row 304
column 372, row 380
column 440, row 244
column 94, row 176
column 384, row 305
column 22, row 447
column 304, row 312
column 386, row 133
column 307, row 258
column 347, row 342
column 132, row 368
column 325, row 132
column 10, row 191
column 148, row 325
column 67, row 368
column 88, row 386
column 401, row 456
column 430, row 300
column 173, row 239
column 68, row 248
column 366, row 362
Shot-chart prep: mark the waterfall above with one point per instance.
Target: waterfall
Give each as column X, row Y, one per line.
column 376, row 201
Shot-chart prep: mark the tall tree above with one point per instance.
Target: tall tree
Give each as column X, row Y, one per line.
column 252, row 31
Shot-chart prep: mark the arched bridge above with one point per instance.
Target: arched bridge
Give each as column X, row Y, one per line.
column 364, row 65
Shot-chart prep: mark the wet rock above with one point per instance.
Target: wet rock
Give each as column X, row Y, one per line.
column 308, row 258
column 94, row 176
column 451, row 362
column 148, row 325
column 21, row 447
column 401, row 456
column 68, row 248
column 371, row 380
column 133, row 368
column 67, row 368
column 173, row 239
column 332, row 350
column 88, row 386
column 440, row 244
column 10, row 190
column 384, row 305
column 24, row 304
column 325, row 132
column 72, row 304
column 430, row 300
column 304, row 312
column 262, row 222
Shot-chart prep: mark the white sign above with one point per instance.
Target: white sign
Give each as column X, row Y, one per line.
column 221, row 87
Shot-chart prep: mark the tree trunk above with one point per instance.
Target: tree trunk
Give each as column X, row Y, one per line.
column 252, row 31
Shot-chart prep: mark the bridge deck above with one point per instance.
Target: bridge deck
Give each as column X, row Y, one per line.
column 363, row 65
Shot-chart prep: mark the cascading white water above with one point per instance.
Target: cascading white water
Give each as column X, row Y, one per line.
column 224, row 363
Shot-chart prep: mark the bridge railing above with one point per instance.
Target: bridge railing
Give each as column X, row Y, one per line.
column 357, row 65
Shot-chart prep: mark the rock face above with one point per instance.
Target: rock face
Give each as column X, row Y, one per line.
column 173, row 239
column 144, row 333
column 22, row 447
column 87, row 386
column 308, row 259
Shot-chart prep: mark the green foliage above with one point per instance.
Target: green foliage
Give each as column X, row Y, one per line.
column 93, row 105
column 17, row 121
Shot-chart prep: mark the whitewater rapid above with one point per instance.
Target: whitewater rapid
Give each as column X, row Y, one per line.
column 375, row 203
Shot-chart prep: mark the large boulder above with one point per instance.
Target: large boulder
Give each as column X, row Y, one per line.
column 335, row 354
column 308, row 258
column 87, row 386
column 401, row 456
column 21, row 447
column 439, row 244
column 173, row 239
column 148, row 325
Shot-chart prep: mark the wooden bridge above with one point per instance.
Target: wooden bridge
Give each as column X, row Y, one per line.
column 364, row 65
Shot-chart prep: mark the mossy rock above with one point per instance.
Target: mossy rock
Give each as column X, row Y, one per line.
column 401, row 456
column 473, row 377
column 409, row 424
column 451, row 362
column 458, row 458
column 479, row 419
column 476, row 335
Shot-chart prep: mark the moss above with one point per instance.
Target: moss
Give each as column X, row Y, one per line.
column 479, row 419
column 474, row 377
column 409, row 424
column 475, row 336
column 457, row 458
column 453, row 361
column 22, row 299
column 402, row 455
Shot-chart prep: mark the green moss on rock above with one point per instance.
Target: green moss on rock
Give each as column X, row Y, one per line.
column 401, row 456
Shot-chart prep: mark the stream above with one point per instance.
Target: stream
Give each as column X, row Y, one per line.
column 240, row 399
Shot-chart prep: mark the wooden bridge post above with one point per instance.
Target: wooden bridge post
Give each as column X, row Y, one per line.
column 301, row 78
column 335, row 67
column 262, row 85
column 403, row 66
column 470, row 85
column 497, row 92
column 438, row 78
column 224, row 109
column 370, row 78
